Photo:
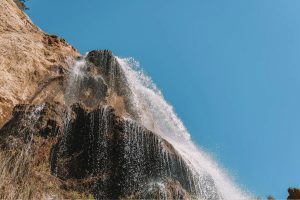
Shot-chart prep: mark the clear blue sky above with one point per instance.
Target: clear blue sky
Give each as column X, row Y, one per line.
column 230, row 68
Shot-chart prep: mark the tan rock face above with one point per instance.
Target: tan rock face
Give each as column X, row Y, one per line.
column 28, row 58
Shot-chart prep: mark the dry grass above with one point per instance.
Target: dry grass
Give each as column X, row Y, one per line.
column 25, row 174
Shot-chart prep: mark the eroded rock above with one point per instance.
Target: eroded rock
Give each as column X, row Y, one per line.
column 115, row 158
column 28, row 56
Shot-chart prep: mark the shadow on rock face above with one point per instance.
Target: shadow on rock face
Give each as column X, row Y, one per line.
column 115, row 158
column 95, row 151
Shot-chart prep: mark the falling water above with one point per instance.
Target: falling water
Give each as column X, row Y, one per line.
column 158, row 116
column 76, row 77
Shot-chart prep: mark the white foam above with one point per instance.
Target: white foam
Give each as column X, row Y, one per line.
column 159, row 116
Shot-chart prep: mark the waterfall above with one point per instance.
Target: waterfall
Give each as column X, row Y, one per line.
column 147, row 106
column 76, row 77
column 158, row 116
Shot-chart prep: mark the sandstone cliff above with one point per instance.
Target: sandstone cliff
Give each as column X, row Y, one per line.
column 28, row 58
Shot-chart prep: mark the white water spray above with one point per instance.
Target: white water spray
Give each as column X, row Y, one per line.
column 158, row 116
column 76, row 76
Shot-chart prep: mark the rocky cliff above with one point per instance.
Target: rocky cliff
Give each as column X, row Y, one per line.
column 69, row 127
column 95, row 153
column 31, row 61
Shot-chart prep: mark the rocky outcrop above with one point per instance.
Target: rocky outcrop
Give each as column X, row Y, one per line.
column 113, row 158
column 90, row 152
column 72, row 132
column 28, row 57
column 25, row 149
column 104, row 63
column 294, row 193
column 98, row 79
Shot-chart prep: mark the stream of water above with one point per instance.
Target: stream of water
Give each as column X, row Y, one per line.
column 159, row 116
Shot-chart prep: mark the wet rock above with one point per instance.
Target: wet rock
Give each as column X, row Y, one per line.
column 105, row 64
column 95, row 151
column 104, row 59
column 90, row 90
column 40, row 120
column 108, row 67
column 115, row 158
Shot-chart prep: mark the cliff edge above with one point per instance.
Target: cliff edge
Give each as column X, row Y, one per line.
column 28, row 57
column 67, row 125
column 74, row 127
